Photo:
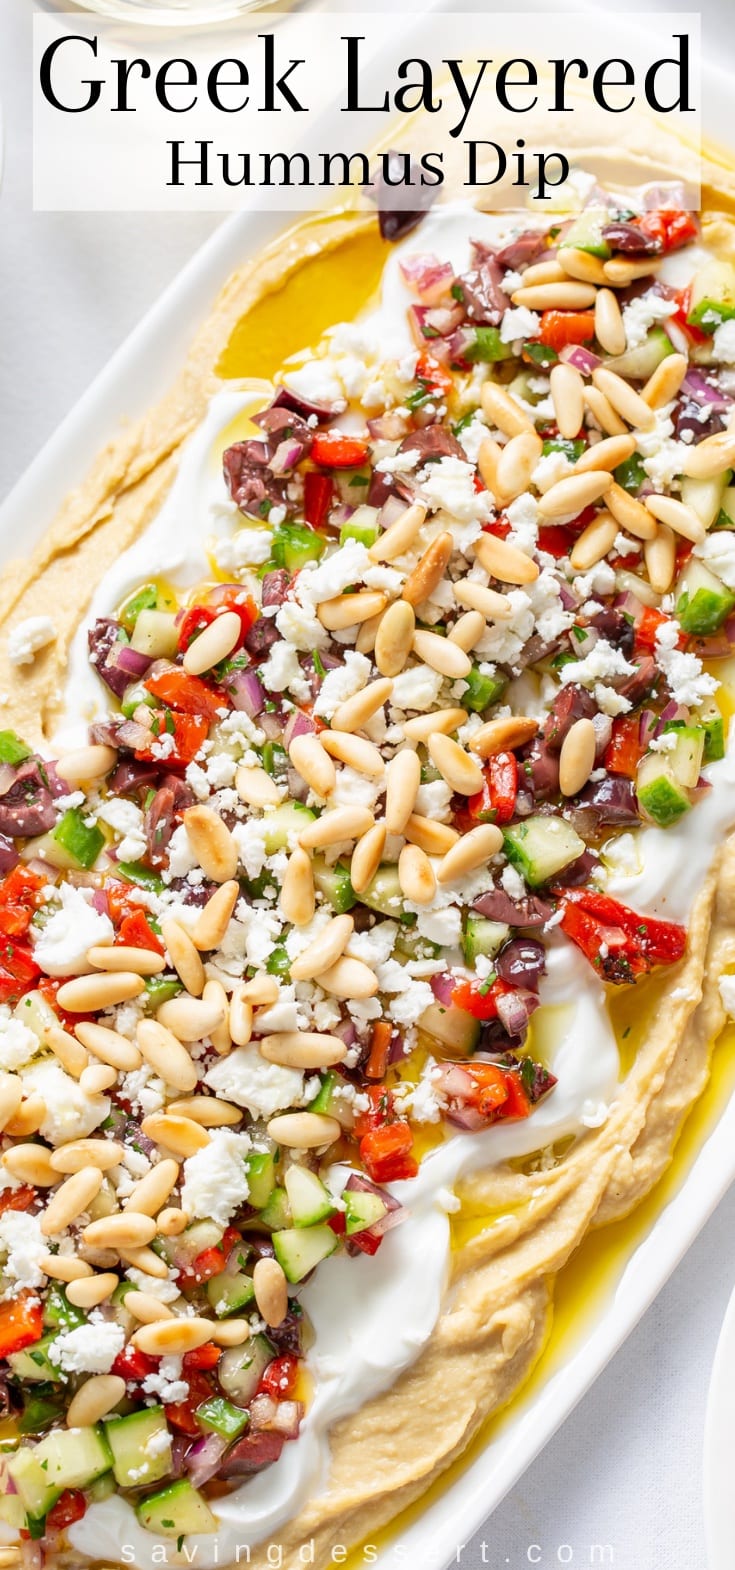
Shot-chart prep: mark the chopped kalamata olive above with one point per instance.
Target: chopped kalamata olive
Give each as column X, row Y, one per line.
column 402, row 200
column 631, row 240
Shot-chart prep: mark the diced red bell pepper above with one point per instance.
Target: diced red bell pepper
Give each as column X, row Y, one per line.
column 19, row 898
column 181, row 1415
column 624, row 749
column 335, row 450
column 137, row 933
column 21, row 1323
column 559, row 328
column 386, row 1152
column 18, row 970
column 17, row 1198
column 280, row 1378
column 187, row 694
column 187, row 732
column 194, row 621
column 496, row 802
column 517, row 1104
column 318, row 493
column 480, row 1001
column 202, row 1358
column 500, row 526
column 210, row 1262
column 670, row 226
column 557, row 539
column 435, row 375
column 48, row 987
column 70, row 1506
column 197, row 617
column 490, row 1087
column 133, row 1365
column 619, row 943
column 647, row 627
column 680, row 317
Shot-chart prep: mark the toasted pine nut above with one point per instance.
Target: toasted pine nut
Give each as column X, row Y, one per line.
column 81, row 1153
column 621, row 270
column 630, row 513
column 150, row 1194
column 349, row 978
column 399, row 537
column 503, row 561
column 340, row 823
column 603, row 412
column 271, row 1291
column 28, row 1119
column 210, row 1111
column 120, row 1230
column 682, row 519
column 468, row 630
column 32, row 1164
column 296, row 899
column 312, row 763
column 91, row 1290
column 96, row 1398
column 11, row 1095
column 261, row 990
column 348, row 610
column 255, row 786
column 441, row 655
column 660, row 557
column 567, row 396
column 119, row 956
column 488, row 458
column 304, row 1130
column 210, row 928
column 475, row 596
column 214, row 994
column 422, row 726
column 64, row 1267
column 165, row 1054
column 145, row 1259
column 85, row 994
column 213, row 644
column 394, row 638
column 172, row 1336
column 355, row 712
column 9, row 1558
column 517, row 462
column 231, row 1332
column 606, row 454
column 580, row 265
column 402, row 784
column 503, row 735
column 172, row 1222
column 180, row 1135
column 147, row 1308
column 416, row 875
column 240, row 1019
column 367, row 856
column 86, row 764
column 665, row 382
column 569, row 497
column 307, row 1049
column 429, row 570
column 366, row 634
column 502, row 409
column 471, row 850
column 324, row 949
column 594, row 542
column 191, row 1019
column 67, row 1049
column 577, row 757
column 544, row 272
column 570, row 296
column 609, row 326
column 710, row 457
column 358, row 753
column 433, row 838
column 211, row 842
column 184, row 956
column 97, row 1078
column 460, row 771
column 624, row 399
column 630, row 583
column 108, row 1045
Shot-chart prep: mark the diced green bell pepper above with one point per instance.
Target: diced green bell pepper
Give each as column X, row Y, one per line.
column 12, row 749
column 81, row 841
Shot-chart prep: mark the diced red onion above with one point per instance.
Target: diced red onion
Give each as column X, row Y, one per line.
column 391, row 426
column 674, row 713
column 430, row 278
column 245, row 693
column 203, row 1460
column 442, row 986
column 696, row 387
column 391, row 509
column 460, row 343
column 297, row 724
column 346, row 1032
column 101, row 902
column 9, row 857
column 285, row 457
column 130, row 661
column 582, row 359
column 271, row 725
column 603, row 734
column 515, row 1010
column 647, row 727
column 42, row 869
column 131, row 734
column 394, row 1213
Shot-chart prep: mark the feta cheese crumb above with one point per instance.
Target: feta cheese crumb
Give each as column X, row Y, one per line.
column 215, row 1179
column 61, row 948
column 25, row 640
column 90, row 1349
column 263, row 1088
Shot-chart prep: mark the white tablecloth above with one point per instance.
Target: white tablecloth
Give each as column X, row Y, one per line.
column 625, row 1470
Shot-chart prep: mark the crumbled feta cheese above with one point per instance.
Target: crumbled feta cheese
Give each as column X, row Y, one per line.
column 126, row 819
column 215, row 1178
column 25, row 640
column 181, row 856
column 512, row 882
column 726, row 985
column 143, row 1090
column 417, row 687
column 246, row 1078
column 335, row 573
column 249, row 547
column 165, row 1290
column 410, row 998
column 18, row 1044
column 299, row 625
column 450, row 485
column 718, row 551
column 342, row 683
column 441, row 926
column 688, row 682
column 433, row 800
column 249, row 838
column 70, row 1114
column 166, row 1384
column 376, row 945
column 602, row 662
column 518, row 324
column 663, row 457
column 281, row 672
column 24, row 1245
column 316, row 381
column 642, row 314
column 723, row 343
column 90, row 1349
column 472, row 436
column 62, row 944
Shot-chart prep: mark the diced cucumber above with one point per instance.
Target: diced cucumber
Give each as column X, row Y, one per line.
column 300, row 1249
column 703, row 602
column 274, row 759
column 12, row 1512
column 34, row 1489
column 219, row 1416
column 713, row 725
column 144, row 599
column 660, row 794
column 631, row 473
column 277, row 1212
column 726, row 517
column 12, row 749
column 59, row 1312
column 72, row 844
column 41, row 1411
column 456, row 1030
column 585, row 233
column 334, row 885
column 640, row 363
column 65, row 1458
column 483, row 937
column 241, row 1368
column 283, row 823
column 540, row 847
column 712, row 297
column 260, row 1166
column 140, row 1445
column 229, row 1292
column 481, row 689
column 362, row 526
column 309, row 1199
column 194, row 1240
column 486, row 347
column 176, row 1511
column 323, row 1100
column 33, row 1365
column 122, row 1314
column 36, row 1013
column 686, row 757
column 706, row 497
column 384, row 894
column 362, row 1210
column 156, row 634
column 294, row 544
column 412, row 945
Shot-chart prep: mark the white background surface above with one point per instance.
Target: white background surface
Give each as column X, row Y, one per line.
column 626, row 1468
